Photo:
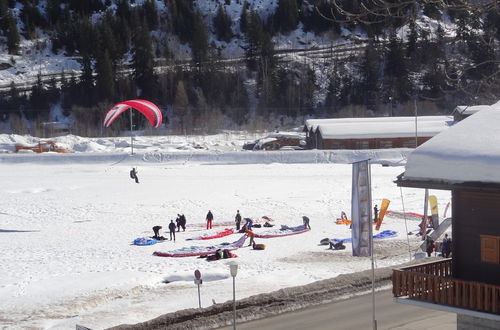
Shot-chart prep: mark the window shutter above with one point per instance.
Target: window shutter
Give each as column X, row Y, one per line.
column 490, row 249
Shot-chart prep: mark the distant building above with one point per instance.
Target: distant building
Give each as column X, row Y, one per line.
column 466, row 160
column 373, row 132
column 463, row 111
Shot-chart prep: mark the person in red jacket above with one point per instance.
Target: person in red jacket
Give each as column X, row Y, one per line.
column 209, row 219
column 251, row 235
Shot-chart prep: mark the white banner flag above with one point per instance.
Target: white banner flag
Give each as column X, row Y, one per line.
column 361, row 210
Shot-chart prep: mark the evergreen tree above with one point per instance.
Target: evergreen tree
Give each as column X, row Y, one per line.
column 182, row 15
column 222, row 24
column 433, row 9
column 4, row 11
column 32, row 19
column 313, row 17
column 286, row 17
column 396, row 70
column 86, row 82
column 12, row 35
column 412, row 39
column 370, row 71
column 434, row 82
column 199, row 43
column 38, row 101
column 142, row 62
column 105, row 83
column 151, row 14
column 181, row 103
column 244, row 17
column 53, row 11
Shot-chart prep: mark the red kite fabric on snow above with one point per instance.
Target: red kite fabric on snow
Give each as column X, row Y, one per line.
column 148, row 109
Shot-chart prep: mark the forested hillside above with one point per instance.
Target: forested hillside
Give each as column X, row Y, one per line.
column 214, row 64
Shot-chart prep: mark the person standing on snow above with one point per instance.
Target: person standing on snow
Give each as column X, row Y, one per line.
column 237, row 219
column 429, row 245
column 250, row 234
column 178, row 222
column 306, row 222
column 209, row 219
column 133, row 174
column 446, row 246
column 183, row 222
column 375, row 213
column 171, row 227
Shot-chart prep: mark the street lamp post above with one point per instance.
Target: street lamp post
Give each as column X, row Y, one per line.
column 233, row 268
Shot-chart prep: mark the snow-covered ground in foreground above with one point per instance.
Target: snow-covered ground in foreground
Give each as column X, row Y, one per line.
column 67, row 223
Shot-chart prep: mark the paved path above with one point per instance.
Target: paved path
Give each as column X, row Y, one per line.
column 355, row 314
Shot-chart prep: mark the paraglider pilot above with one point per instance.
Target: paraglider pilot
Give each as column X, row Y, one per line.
column 209, row 218
column 306, row 220
column 133, row 174
column 171, row 228
column 237, row 219
column 375, row 213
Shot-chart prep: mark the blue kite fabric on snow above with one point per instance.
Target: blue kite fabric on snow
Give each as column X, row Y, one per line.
column 382, row 234
column 192, row 251
column 141, row 241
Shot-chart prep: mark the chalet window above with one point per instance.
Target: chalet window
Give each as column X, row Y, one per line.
column 385, row 144
column 409, row 144
column 338, row 145
column 362, row 144
column 490, row 249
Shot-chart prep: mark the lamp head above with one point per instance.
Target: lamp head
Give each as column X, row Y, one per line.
column 233, row 268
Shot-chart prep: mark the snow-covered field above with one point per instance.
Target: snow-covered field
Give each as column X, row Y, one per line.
column 67, row 223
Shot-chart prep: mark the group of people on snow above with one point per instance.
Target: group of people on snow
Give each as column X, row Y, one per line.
column 180, row 222
column 444, row 246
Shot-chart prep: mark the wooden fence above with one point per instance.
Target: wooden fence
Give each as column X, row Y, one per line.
column 433, row 283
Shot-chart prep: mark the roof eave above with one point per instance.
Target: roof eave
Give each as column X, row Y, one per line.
column 401, row 181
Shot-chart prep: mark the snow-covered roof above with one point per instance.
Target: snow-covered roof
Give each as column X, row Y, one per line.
column 467, row 152
column 381, row 127
column 469, row 110
column 314, row 123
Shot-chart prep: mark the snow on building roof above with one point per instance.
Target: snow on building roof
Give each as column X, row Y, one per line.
column 314, row 123
column 467, row 152
column 469, row 110
column 381, row 127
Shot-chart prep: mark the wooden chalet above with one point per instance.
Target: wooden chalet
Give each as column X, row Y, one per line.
column 465, row 160
column 373, row 132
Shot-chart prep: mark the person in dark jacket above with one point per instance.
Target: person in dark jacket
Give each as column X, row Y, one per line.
column 375, row 213
column 237, row 219
column 171, row 227
column 210, row 218
column 178, row 222
column 429, row 245
column 305, row 220
column 133, row 174
column 446, row 246
column 183, row 222
column 156, row 230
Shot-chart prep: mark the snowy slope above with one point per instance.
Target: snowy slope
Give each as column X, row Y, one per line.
column 67, row 226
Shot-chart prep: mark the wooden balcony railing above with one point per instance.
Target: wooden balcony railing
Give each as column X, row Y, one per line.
column 433, row 283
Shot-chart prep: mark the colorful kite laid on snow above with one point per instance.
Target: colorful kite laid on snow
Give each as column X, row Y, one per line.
column 148, row 109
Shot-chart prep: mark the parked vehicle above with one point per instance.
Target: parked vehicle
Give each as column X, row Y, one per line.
column 43, row 146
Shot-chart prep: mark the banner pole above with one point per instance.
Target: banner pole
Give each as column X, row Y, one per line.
column 131, row 134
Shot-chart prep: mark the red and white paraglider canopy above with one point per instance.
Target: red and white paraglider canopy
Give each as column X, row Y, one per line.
column 148, row 109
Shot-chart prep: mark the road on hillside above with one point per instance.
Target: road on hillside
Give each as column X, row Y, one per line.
column 356, row 314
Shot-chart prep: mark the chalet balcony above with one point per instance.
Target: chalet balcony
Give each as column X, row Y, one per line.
column 434, row 283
